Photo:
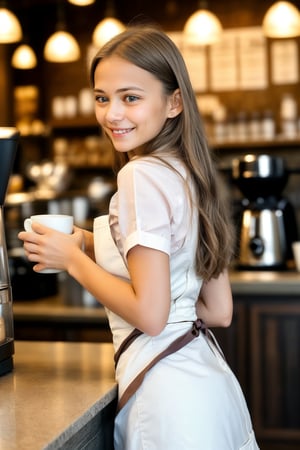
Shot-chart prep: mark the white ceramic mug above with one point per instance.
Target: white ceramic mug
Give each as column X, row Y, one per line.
column 296, row 252
column 59, row 222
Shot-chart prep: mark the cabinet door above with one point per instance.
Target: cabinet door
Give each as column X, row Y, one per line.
column 275, row 375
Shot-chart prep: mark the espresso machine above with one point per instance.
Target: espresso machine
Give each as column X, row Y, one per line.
column 9, row 138
column 267, row 223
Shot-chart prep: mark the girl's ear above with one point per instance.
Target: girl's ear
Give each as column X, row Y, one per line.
column 176, row 106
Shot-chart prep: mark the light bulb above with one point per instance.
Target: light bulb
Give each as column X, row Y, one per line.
column 24, row 57
column 106, row 30
column 61, row 47
column 10, row 28
column 202, row 28
column 282, row 20
column 81, row 2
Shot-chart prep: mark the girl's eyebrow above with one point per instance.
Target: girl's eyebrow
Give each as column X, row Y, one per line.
column 125, row 89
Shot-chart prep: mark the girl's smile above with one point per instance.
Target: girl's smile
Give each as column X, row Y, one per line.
column 130, row 103
column 117, row 131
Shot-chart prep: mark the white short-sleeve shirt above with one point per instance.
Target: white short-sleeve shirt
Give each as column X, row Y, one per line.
column 152, row 208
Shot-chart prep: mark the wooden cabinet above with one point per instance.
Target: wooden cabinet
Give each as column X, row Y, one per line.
column 275, row 369
column 55, row 318
column 262, row 348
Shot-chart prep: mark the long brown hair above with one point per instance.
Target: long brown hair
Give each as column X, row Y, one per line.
column 152, row 50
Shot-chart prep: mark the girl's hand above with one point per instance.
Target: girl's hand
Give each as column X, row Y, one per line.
column 215, row 305
column 50, row 249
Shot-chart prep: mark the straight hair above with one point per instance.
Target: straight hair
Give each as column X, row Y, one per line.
column 151, row 49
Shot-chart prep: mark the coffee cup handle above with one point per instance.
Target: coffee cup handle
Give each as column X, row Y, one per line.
column 27, row 224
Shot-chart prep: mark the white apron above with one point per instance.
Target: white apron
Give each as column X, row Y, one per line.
column 190, row 400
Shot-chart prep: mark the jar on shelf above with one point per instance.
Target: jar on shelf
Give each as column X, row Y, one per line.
column 268, row 125
column 288, row 116
column 219, row 123
column 255, row 126
column 241, row 126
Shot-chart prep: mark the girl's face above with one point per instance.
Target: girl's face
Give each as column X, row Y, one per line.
column 130, row 104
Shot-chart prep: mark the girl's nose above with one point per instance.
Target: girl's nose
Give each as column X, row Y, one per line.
column 114, row 111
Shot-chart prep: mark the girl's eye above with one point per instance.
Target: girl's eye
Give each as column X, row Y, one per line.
column 101, row 99
column 131, row 98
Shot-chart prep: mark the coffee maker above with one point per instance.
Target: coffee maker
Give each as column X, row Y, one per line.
column 267, row 224
column 9, row 138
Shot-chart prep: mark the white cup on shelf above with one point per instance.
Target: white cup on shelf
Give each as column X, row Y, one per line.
column 58, row 107
column 70, row 106
column 296, row 252
column 86, row 102
column 80, row 209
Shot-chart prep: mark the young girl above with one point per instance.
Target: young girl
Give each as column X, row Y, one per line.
column 158, row 262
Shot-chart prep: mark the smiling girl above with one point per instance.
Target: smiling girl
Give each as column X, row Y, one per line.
column 158, row 261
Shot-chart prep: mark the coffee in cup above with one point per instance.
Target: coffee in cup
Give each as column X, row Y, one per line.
column 296, row 252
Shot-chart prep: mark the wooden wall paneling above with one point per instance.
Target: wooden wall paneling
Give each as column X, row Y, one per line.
column 6, row 89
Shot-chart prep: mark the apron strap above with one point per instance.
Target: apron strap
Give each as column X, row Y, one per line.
column 181, row 341
column 126, row 343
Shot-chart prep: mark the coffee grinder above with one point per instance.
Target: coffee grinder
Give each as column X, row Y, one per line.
column 9, row 138
column 267, row 225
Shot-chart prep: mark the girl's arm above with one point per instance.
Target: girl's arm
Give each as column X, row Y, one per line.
column 144, row 302
column 215, row 305
column 88, row 243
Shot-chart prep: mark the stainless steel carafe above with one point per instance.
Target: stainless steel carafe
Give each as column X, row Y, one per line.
column 263, row 239
column 9, row 138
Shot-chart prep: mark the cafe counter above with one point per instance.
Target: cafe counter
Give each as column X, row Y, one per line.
column 60, row 395
column 265, row 283
column 260, row 346
column 55, row 319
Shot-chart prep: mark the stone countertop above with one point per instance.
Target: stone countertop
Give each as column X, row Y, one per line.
column 265, row 283
column 55, row 309
column 54, row 389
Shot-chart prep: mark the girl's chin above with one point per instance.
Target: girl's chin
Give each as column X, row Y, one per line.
column 122, row 149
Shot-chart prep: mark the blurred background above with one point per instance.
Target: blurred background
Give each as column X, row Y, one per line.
column 246, row 78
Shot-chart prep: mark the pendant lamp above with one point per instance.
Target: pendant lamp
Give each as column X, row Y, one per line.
column 108, row 27
column 24, row 57
column 81, row 2
column 282, row 20
column 10, row 28
column 61, row 46
column 202, row 27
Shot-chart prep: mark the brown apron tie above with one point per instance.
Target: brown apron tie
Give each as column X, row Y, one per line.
column 126, row 343
column 181, row 341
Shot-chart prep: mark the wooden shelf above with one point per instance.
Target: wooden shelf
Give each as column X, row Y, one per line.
column 76, row 122
column 277, row 143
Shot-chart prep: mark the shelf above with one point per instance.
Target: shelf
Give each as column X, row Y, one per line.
column 19, row 198
column 277, row 143
column 76, row 122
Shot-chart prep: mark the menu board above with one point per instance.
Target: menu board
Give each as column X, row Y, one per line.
column 195, row 59
column 223, row 63
column 284, row 62
column 253, row 57
column 240, row 61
